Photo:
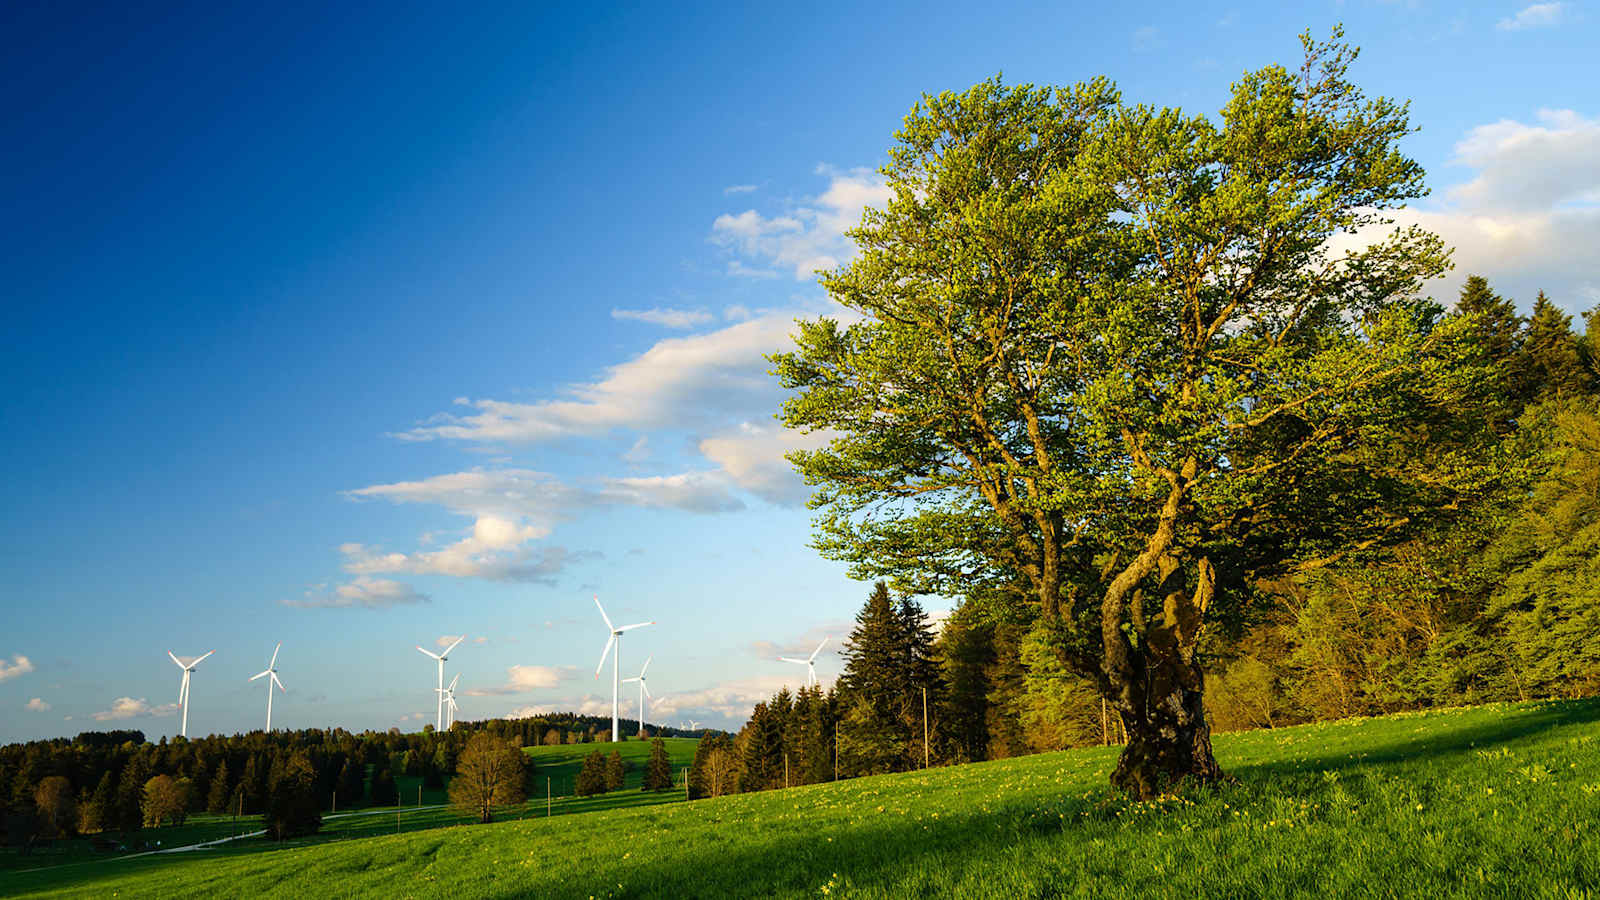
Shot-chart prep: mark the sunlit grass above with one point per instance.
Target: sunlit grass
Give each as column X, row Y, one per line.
column 1497, row 801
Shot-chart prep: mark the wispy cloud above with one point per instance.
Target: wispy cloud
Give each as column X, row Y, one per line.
column 19, row 665
column 666, row 318
column 1538, row 15
column 37, row 704
column 805, row 238
column 738, row 189
column 129, row 708
column 364, row 592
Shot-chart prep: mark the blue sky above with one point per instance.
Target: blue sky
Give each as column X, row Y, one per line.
column 354, row 330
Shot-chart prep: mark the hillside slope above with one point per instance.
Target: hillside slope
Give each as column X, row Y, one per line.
column 1500, row 800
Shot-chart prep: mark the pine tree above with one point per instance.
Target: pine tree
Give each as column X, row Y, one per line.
column 352, row 782
column 221, row 790
column 616, row 771
column 98, row 813
column 1498, row 323
column 658, row 771
column 1550, row 365
column 592, row 776
column 292, row 809
column 873, row 736
column 384, row 790
column 762, row 756
column 965, row 651
column 130, row 794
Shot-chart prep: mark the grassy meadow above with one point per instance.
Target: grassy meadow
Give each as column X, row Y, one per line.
column 78, row 859
column 1497, row 800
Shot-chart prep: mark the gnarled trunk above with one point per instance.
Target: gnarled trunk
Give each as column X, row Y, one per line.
column 1169, row 739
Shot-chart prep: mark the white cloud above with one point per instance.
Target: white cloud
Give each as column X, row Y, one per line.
column 731, row 700
column 1538, row 15
column 364, row 592
column 739, row 189
column 38, row 705
column 703, row 492
column 753, row 456
column 524, row 679
column 1529, row 216
column 639, row 452
column 801, row 646
column 129, row 708
column 445, row 640
column 666, row 318
column 807, row 238
column 19, row 665
column 682, row 382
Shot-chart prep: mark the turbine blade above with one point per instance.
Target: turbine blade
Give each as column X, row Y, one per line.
column 603, row 613
column 260, row 675
column 819, row 648
column 454, row 680
column 176, row 660
column 275, row 655
column 634, row 625
column 645, row 668
column 603, row 654
column 198, row 661
column 646, row 686
column 279, row 683
column 629, row 680
column 791, row 659
column 427, row 653
column 453, row 646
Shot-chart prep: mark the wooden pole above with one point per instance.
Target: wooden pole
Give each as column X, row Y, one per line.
column 1105, row 734
column 924, row 727
column 547, row 796
column 836, row 750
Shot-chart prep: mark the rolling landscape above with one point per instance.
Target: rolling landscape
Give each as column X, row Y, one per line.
column 842, row 450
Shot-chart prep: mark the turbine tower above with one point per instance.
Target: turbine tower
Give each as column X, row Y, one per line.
column 450, row 703
column 271, row 674
column 644, row 691
column 441, row 657
column 810, row 664
column 183, row 689
column 616, row 660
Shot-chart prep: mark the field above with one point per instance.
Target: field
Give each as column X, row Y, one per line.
column 74, row 862
column 1498, row 800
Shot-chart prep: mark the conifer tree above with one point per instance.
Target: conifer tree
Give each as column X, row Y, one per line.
column 292, row 808
column 1549, row 362
column 130, row 794
column 658, row 771
column 616, row 771
column 221, row 790
column 592, row 776
column 384, row 790
column 1498, row 327
column 96, row 815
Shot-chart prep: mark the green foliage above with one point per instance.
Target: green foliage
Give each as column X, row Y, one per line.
column 592, row 777
column 292, row 807
column 616, row 771
column 658, row 771
column 384, row 790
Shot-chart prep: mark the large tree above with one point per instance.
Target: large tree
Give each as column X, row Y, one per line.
column 489, row 774
column 1124, row 364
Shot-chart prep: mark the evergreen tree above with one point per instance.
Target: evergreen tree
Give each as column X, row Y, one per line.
column 592, row 776
column 1497, row 325
column 1550, row 365
column 616, row 771
column 384, row 790
column 98, row 813
column 221, row 790
column 965, row 651
column 658, row 771
column 352, row 782
column 292, row 808
column 762, row 756
column 130, row 794
column 873, row 734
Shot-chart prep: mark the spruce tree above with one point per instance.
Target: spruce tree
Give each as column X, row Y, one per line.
column 292, row 808
column 130, row 793
column 873, row 736
column 592, row 776
column 1550, row 365
column 658, row 771
column 384, row 790
column 1498, row 325
column 221, row 790
column 616, row 771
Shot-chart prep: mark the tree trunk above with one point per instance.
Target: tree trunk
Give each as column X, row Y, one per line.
column 1169, row 739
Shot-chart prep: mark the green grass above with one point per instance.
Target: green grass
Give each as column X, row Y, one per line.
column 1491, row 801
column 559, row 765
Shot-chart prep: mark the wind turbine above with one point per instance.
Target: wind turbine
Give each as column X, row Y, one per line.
column 450, row 702
column 271, row 671
column 183, row 689
column 616, row 660
column 441, row 657
column 810, row 664
column 644, row 691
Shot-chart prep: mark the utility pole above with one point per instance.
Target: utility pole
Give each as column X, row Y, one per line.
column 419, row 795
column 547, row 796
column 786, row 770
column 335, row 801
column 1105, row 735
column 836, row 750
column 236, row 814
column 685, row 783
column 924, row 727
